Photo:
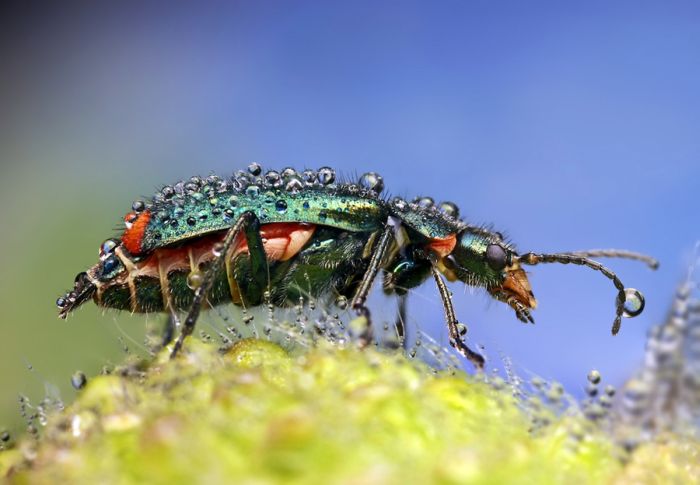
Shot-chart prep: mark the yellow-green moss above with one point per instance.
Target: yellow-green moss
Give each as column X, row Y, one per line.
column 259, row 415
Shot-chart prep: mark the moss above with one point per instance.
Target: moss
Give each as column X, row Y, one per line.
column 260, row 415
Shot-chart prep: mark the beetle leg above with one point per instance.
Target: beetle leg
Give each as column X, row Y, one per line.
column 360, row 298
column 400, row 323
column 259, row 271
column 171, row 323
column 451, row 319
column 202, row 290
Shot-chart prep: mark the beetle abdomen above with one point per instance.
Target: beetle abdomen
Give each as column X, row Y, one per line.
column 304, row 260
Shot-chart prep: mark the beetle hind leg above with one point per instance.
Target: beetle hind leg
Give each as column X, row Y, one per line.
column 200, row 294
column 360, row 299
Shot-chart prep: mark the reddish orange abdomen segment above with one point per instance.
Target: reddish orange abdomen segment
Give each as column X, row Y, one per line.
column 443, row 246
column 281, row 242
column 136, row 225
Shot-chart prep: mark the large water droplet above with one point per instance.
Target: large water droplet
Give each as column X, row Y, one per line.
column 107, row 248
column 78, row 380
column 634, row 303
column 449, row 209
column 326, row 175
column 341, row 302
column 252, row 191
column 281, row 206
column 309, row 177
column 217, row 249
column 194, row 279
column 372, row 181
column 138, row 206
column 424, row 202
column 294, row 186
column 273, row 178
column 254, row 169
column 399, row 203
column 288, row 173
column 594, row 377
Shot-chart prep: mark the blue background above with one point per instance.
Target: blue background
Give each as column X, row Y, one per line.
column 567, row 126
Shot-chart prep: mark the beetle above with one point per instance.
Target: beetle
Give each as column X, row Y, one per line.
column 286, row 235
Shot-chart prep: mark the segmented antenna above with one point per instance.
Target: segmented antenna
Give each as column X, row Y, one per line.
column 653, row 263
column 581, row 258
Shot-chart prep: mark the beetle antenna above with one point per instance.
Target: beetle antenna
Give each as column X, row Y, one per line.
column 580, row 259
column 653, row 263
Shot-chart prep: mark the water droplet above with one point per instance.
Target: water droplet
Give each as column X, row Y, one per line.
column 288, row 173
column 78, row 380
column 61, row 302
column 594, row 377
column 138, row 206
column 217, row 249
column 281, row 206
column 203, row 215
column 372, row 181
column 399, row 203
column 326, row 175
column 247, row 319
column 306, row 205
column 254, row 169
column 191, row 221
column 634, row 303
column 309, row 177
column 252, row 191
column 610, row 390
column 273, row 178
column 109, row 264
column 228, row 214
column 294, row 186
column 592, row 390
column 167, row 192
column 462, row 329
column 107, row 248
column 191, row 188
column 194, row 279
column 213, row 201
column 5, row 436
column 424, row 202
column 322, row 215
column 449, row 209
column 341, row 302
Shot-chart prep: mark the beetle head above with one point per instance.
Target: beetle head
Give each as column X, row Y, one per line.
column 109, row 269
column 482, row 258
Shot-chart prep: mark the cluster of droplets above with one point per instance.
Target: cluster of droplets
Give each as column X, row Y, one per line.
column 220, row 197
column 427, row 207
column 664, row 395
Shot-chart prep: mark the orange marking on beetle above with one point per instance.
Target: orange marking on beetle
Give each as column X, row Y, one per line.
column 443, row 246
column 281, row 241
column 136, row 227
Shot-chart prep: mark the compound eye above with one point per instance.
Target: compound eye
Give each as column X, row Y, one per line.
column 496, row 257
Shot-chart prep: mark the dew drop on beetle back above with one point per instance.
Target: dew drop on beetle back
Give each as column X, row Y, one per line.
column 372, row 181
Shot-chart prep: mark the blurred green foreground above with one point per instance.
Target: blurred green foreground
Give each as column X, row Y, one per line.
column 260, row 415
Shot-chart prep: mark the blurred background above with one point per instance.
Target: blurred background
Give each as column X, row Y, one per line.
column 566, row 127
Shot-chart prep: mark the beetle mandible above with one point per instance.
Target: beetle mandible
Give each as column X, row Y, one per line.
column 289, row 234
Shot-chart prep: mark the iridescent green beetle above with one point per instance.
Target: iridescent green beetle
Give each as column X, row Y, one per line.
column 289, row 234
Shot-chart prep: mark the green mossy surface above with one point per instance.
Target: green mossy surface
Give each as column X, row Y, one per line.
column 260, row 415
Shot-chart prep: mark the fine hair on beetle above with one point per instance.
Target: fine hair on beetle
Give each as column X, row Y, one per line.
column 268, row 237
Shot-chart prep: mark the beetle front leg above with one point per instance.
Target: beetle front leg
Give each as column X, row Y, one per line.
column 202, row 290
column 452, row 323
column 360, row 298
